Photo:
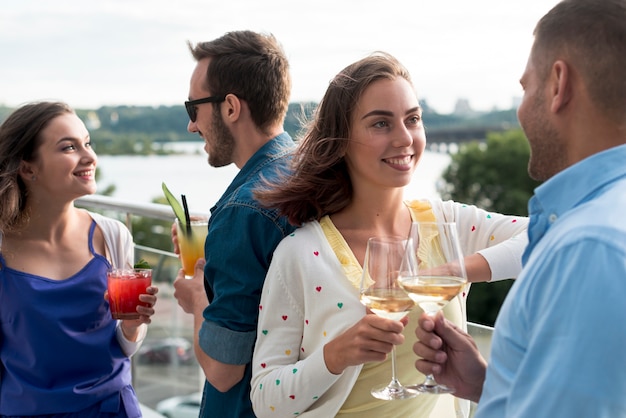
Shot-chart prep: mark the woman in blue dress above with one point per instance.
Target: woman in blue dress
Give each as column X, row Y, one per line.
column 61, row 353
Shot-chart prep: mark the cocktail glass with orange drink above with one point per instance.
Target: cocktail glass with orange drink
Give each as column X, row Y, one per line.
column 191, row 243
column 191, row 232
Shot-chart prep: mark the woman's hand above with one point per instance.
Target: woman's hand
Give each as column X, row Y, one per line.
column 130, row 327
column 370, row 339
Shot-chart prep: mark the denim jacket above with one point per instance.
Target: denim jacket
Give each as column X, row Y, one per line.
column 241, row 240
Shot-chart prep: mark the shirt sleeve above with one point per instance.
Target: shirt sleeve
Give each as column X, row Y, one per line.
column 283, row 384
column 572, row 314
column 505, row 259
column 238, row 252
column 130, row 347
column 501, row 239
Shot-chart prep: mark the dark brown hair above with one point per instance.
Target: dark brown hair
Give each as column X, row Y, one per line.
column 319, row 183
column 253, row 67
column 590, row 35
column 19, row 141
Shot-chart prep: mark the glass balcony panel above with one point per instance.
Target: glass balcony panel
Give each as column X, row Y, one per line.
column 165, row 366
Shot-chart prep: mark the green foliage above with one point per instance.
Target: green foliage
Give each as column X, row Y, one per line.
column 484, row 301
column 142, row 130
column 107, row 191
column 142, row 264
column 136, row 130
column 153, row 233
column 493, row 176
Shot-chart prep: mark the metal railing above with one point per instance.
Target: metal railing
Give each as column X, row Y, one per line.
column 165, row 365
column 178, row 375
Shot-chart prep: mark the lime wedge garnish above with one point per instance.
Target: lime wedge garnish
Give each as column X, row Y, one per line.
column 175, row 204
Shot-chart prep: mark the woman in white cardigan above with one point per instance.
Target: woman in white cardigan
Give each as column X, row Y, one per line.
column 318, row 351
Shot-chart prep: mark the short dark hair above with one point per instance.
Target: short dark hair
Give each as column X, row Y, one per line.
column 591, row 36
column 252, row 66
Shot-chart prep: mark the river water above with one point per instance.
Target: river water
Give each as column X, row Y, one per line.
column 139, row 178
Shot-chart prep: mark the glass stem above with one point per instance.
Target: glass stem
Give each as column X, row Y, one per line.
column 394, row 380
column 430, row 381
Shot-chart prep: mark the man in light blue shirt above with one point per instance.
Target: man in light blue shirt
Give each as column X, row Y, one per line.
column 559, row 344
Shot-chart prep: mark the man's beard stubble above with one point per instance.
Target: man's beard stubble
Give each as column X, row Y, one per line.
column 222, row 140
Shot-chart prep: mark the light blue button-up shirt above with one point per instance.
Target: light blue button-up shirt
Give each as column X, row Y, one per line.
column 559, row 346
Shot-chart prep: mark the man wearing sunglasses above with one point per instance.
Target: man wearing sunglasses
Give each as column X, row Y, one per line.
column 238, row 98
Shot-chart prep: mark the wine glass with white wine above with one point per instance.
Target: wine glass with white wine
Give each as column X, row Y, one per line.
column 435, row 276
column 382, row 294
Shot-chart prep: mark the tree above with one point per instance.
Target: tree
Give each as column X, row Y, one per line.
column 153, row 232
column 492, row 175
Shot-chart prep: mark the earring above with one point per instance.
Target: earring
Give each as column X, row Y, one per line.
column 33, row 178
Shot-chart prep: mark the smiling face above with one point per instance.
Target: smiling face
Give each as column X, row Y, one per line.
column 387, row 136
column 219, row 141
column 64, row 164
column 548, row 151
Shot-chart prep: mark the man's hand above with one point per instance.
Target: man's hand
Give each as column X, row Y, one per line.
column 190, row 293
column 451, row 355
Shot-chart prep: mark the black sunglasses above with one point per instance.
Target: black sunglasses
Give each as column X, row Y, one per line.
column 191, row 105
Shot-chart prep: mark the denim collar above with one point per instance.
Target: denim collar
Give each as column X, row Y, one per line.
column 276, row 148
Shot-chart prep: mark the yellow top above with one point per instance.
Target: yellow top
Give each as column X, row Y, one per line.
column 360, row 403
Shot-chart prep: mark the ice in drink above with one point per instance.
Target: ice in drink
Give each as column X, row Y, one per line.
column 191, row 243
column 124, row 287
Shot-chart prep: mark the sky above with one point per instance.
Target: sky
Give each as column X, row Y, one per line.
column 92, row 53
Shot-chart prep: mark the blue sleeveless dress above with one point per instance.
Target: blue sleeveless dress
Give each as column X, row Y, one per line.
column 58, row 348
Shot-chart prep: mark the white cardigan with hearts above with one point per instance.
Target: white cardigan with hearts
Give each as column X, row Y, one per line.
column 308, row 300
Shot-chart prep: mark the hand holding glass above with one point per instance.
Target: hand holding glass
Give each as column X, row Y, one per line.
column 124, row 287
column 435, row 275
column 381, row 293
column 191, row 243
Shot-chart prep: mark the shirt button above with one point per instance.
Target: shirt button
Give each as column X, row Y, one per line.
column 552, row 218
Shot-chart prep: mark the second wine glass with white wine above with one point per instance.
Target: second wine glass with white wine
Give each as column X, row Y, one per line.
column 435, row 275
column 382, row 294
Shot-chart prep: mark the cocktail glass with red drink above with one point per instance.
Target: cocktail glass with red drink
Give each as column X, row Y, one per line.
column 124, row 287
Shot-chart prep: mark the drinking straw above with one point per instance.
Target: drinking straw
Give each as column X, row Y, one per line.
column 187, row 217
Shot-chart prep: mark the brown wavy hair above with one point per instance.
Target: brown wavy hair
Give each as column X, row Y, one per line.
column 19, row 141
column 319, row 183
